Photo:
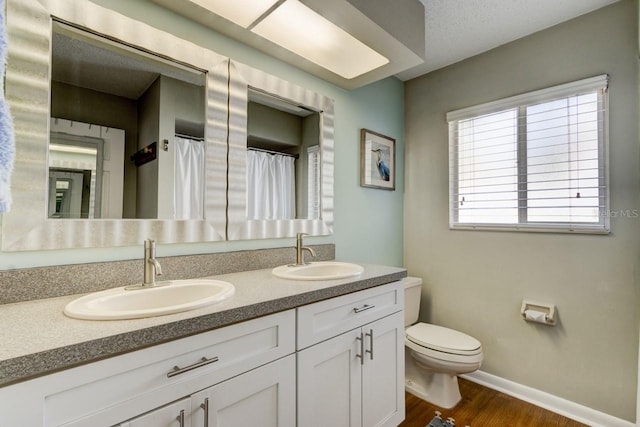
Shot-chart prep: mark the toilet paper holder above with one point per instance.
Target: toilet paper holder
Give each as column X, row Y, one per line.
column 533, row 311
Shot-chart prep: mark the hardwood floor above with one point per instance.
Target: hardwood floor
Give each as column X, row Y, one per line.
column 484, row 407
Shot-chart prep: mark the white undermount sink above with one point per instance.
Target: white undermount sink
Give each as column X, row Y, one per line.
column 172, row 297
column 323, row 270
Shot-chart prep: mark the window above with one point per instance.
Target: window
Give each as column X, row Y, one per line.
column 534, row 162
column 313, row 182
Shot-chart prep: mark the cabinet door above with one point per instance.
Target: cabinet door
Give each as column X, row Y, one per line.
column 329, row 381
column 173, row 415
column 383, row 372
column 265, row 396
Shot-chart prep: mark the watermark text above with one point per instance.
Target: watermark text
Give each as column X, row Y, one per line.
column 621, row 213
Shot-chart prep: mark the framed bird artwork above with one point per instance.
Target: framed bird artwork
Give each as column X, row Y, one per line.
column 377, row 160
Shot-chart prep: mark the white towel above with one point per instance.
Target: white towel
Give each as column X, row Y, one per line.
column 7, row 145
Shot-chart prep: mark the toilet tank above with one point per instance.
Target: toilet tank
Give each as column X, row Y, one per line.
column 412, row 291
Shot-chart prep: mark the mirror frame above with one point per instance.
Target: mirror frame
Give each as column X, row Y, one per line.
column 27, row 83
column 241, row 78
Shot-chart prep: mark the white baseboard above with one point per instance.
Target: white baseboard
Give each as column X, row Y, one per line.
column 548, row 401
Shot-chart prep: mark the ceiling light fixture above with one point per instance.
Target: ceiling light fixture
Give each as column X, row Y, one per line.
column 297, row 28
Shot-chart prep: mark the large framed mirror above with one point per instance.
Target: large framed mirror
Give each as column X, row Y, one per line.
column 77, row 185
column 280, row 157
column 89, row 175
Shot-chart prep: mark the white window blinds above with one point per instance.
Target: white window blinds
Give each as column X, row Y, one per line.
column 535, row 162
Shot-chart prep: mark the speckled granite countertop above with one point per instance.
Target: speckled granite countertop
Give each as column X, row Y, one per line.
column 38, row 339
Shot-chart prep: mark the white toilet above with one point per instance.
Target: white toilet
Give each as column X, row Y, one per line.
column 434, row 355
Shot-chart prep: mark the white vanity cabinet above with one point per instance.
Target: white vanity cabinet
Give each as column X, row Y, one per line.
column 336, row 362
column 351, row 359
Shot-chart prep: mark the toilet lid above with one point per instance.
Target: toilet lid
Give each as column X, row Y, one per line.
column 443, row 339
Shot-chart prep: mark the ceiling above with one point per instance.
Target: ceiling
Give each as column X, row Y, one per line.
column 453, row 30
column 392, row 28
column 459, row 29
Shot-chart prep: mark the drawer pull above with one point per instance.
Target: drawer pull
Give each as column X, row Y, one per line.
column 363, row 308
column 180, row 418
column 177, row 371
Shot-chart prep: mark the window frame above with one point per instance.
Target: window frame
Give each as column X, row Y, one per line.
column 598, row 84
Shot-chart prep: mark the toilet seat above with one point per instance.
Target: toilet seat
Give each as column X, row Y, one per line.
column 445, row 340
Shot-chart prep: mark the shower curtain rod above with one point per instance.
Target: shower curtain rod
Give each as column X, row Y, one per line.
column 295, row 156
column 195, row 138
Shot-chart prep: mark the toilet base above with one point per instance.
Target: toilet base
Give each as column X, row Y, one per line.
column 446, row 400
column 436, row 388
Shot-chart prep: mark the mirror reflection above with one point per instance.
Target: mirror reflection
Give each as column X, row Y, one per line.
column 127, row 132
column 283, row 159
column 75, row 175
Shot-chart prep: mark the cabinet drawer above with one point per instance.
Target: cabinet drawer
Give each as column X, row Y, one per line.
column 325, row 319
column 149, row 378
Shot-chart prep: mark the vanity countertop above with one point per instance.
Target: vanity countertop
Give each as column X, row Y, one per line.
column 38, row 339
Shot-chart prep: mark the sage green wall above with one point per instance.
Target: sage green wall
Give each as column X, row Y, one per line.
column 475, row 280
column 368, row 223
column 269, row 124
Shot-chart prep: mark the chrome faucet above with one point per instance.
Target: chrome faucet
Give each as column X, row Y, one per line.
column 300, row 250
column 152, row 267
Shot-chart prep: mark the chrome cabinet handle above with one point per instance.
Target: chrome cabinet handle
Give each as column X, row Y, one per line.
column 370, row 335
column 177, row 371
column 361, row 355
column 205, row 407
column 180, row 418
column 363, row 308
